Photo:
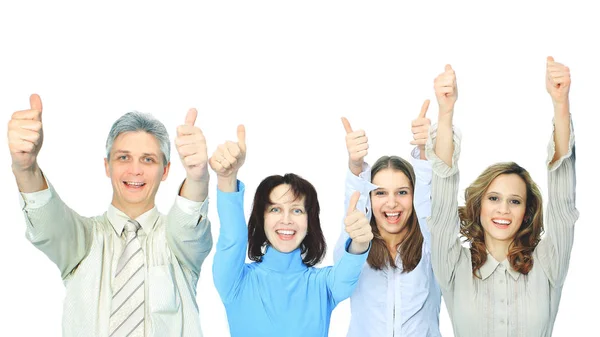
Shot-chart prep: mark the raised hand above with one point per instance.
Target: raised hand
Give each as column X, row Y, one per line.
column 191, row 146
column 446, row 90
column 357, row 227
column 230, row 156
column 357, row 145
column 25, row 136
column 420, row 129
column 558, row 81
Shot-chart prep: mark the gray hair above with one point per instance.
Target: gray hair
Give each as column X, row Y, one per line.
column 137, row 121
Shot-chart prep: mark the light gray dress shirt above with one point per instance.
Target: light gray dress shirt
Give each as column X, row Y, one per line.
column 86, row 250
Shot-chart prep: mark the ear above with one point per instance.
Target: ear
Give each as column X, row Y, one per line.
column 166, row 171
column 107, row 167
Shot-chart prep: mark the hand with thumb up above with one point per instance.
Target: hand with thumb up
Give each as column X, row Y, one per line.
column 357, row 227
column 25, row 136
column 191, row 146
column 420, row 129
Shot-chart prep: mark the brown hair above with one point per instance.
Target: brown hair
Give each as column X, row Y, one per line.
column 410, row 248
column 520, row 251
column 313, row 247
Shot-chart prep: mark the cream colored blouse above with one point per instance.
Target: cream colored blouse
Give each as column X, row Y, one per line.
column 503, row 302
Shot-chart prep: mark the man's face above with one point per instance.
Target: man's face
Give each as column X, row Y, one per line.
column 135, row 168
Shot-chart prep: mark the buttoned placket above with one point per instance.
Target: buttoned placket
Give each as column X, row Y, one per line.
column 500, row 299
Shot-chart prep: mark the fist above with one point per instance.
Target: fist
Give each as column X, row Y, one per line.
column 357, row 225
column 357, row 145
column 558, row 81
column 191, row 146
column 446, row 91
column 25, row 135
column 229, row 157
column 420, row 128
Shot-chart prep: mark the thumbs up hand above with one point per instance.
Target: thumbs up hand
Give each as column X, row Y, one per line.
column 357, row 145
column 420, row 129
column 357, row 227
column 25, row 136
column 558, row 81
column 191, row 146
column 230, row 156
column 446, row 90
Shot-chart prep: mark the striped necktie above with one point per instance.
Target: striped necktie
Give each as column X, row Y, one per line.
column 127, row 310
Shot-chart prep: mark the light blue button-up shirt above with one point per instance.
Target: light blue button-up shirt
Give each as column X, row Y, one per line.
column 388, row 302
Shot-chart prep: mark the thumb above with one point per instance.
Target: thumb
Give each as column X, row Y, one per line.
column 190, row 118
column 353, row 201
column 447, row 67
column 347, row 126
column 549, row 59
column 35, row 102
column 241, row 135
column 424, row 109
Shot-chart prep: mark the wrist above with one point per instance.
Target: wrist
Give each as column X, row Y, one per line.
column 227, row 183
column 358, row 247
column 32, row 171
column 355, row 166
column 561, row 107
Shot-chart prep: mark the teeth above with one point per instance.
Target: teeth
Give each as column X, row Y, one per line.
column 392, row 214
column 502, row 222
column 134, row 183
column 285, row 232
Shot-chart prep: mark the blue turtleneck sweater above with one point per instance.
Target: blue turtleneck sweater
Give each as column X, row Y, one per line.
column 280, row 296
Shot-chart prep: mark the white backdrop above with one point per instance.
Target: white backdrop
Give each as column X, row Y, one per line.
column 288, row 71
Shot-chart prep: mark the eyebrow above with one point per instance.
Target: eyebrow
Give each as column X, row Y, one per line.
column 147, row 154
column 510, row 195
column 399, row 188
column 270, row 204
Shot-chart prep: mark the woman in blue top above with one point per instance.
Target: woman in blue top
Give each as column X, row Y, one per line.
column 397, row 294
column 281, row 293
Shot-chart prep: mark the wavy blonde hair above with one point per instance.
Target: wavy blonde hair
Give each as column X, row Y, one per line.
column 520, row 251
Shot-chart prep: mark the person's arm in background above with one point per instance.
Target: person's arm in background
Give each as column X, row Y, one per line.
column 52, row 227
column 229, row 261
column 188, row 228
column 554, row 250
column 358, row 178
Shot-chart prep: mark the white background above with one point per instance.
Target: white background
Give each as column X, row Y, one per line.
column 288, row 71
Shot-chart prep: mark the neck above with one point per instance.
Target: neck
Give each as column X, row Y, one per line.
column 498, row 248
column 133, row 210
column 392, row 240
column 283, row 262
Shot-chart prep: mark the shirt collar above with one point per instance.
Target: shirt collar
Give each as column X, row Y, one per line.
column 283, row 262
column 118, row 219
column 491, row 265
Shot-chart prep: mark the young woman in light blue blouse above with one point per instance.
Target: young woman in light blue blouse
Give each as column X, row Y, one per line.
column 281, row 294
column 397, row 294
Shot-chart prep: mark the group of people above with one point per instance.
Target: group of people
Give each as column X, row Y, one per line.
column 405, row 241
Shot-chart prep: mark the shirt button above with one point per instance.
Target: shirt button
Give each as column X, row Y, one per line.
column 502, row 321
column 502, row 301
column 501, row 281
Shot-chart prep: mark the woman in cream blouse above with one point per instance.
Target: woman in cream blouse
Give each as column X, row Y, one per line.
column 509, row 282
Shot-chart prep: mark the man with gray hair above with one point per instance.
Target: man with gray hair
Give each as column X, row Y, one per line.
column 131, row 271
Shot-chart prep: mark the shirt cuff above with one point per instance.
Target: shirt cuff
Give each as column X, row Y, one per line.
column 191, row 207
column 439, row 166
column 37, row 199
column 422, row 168
column 362, row 183
column 552, row 148
column 347, row 245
